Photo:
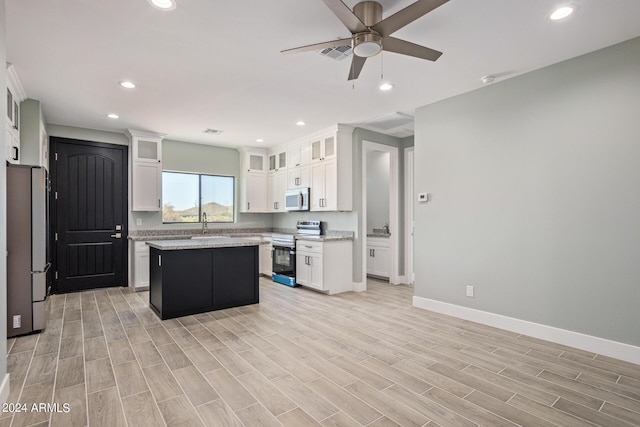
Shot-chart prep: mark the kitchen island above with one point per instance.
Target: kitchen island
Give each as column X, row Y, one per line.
column 199, row 275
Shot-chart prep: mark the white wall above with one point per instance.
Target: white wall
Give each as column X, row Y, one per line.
column 3, row 215
column 535, row 185
column 378, row 177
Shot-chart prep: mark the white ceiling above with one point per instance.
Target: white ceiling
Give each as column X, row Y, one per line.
column 216, row 64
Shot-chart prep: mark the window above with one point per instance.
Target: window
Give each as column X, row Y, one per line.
column 187, row 195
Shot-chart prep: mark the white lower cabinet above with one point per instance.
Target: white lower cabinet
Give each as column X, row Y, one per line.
column 378, row 257
column 140, row 270
column 266, row 263
column 321, row 265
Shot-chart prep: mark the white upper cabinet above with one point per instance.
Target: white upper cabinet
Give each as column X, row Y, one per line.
column 299, row 153
column 146, row 170
column 323, row 148
column 253, row 160
column 15, row 95
column 331, row 170
column 277, row 159
column 253, row 185
column 34, row 142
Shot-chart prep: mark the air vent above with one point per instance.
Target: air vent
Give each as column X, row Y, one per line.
column 336, row 53
column 213, row 131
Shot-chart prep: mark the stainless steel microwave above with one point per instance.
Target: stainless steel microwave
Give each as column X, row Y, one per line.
column 297, row 199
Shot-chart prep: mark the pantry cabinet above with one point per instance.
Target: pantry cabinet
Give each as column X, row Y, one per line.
column 145, row 149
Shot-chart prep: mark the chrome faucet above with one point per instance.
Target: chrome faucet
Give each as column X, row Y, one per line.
column 205, row 227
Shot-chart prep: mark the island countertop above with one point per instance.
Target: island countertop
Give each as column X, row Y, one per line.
column 204, row 243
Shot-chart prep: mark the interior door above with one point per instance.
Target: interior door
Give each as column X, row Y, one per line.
column 90, row 207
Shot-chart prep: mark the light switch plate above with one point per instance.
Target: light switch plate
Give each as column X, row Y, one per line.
column 138, row 221
column 424, row 197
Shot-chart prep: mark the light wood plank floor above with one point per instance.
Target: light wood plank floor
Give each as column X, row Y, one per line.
column 300, row 358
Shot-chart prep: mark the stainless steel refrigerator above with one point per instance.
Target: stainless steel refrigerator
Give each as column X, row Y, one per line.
column 28, row 253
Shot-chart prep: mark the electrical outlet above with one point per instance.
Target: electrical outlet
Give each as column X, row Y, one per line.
column 138, row 221
column 17, row 321
column 470, row 291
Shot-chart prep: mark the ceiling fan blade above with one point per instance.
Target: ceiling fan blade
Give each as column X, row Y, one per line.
column 356, row 66
column 407, row 15
column 391, row 44
column 346, row 15
column 318, row 46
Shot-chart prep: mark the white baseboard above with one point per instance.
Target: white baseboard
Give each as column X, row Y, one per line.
column 5, row 389
column 359, row 286
column 590, row 343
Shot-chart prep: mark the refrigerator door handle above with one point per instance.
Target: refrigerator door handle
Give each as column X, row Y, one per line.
column 46, row 269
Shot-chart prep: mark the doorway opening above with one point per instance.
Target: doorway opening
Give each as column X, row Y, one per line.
column 381, row 234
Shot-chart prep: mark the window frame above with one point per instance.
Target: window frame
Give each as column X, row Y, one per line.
column 200, row 175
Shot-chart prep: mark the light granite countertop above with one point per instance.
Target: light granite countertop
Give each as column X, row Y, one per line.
column 205, row 243
column 326, row 237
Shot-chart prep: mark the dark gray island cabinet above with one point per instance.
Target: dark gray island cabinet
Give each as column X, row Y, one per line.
column 190, row 277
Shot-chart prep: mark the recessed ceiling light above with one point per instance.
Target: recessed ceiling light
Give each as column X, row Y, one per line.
column 113, row 116
column 259, row 140
column 163, row 4
column 127, row 84
column 300, row 123
column 386, row 86
column 561, row 13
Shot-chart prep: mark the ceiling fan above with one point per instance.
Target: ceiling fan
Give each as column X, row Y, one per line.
column 370, row 34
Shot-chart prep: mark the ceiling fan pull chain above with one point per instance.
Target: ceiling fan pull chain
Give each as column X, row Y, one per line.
column 381, row 65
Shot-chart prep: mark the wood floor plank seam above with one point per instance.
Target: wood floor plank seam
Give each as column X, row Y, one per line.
column 297, row 338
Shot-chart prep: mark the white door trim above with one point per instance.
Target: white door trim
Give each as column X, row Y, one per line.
column 394, row 201
column 408, row 214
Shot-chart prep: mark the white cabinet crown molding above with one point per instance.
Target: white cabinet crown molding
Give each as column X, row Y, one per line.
column 14, row 83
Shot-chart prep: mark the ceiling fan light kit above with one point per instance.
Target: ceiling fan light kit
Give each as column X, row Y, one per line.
column 370, row 34
column 367, row 44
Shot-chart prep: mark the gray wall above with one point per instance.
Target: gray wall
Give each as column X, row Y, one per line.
column 186, row 157
column 176, row 156
column 3, row 201
column 378, row 177
column 535, row 196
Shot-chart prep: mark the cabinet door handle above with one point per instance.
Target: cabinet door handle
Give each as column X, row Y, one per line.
column 16, row 152
column 117, row 236
column 248, row 206
column 374, row 252
column 158, row 202
column 159, row 260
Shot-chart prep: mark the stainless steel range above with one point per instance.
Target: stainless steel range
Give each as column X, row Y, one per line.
column 284, row 251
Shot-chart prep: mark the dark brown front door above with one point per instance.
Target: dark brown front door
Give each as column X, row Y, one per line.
column 89, row 200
